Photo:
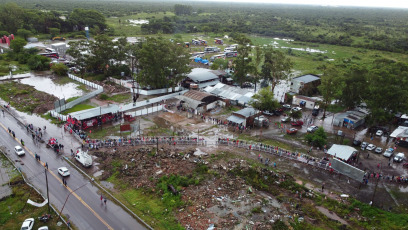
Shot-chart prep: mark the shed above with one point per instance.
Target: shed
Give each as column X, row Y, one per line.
column 60, row 47
column 200, row 101
column 343, row 152
column 351, row 119
column 244, row 116
column 305, row 85
column 94, row 112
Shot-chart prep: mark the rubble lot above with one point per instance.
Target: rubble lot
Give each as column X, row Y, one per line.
column 234, row 193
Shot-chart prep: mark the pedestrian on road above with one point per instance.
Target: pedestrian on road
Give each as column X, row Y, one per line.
column 46, row 165
column 65, row 183
column 14, row 135
column 323, row 187
column 101, row 198
column 68, row 224
column 72, row 152
column 104, row 201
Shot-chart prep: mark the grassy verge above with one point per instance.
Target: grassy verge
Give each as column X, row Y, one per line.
column 52, row 119
column 77, row 108
column 99, row 133
column 9, row 90
column 5, row 67
column 119, row 98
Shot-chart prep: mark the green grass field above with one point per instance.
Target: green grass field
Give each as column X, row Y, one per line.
column 77, row 108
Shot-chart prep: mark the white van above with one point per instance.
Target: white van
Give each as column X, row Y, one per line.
column 211, row 49
column 83, row 158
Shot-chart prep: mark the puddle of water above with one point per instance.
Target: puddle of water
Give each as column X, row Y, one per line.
column 403, row 189
column 46, row 85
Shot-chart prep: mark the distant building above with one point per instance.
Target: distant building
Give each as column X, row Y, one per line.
column 343, row 152
column 231, row 94
column 202, row 77
column 305, row 85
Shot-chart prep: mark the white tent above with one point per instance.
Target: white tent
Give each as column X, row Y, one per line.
column 343, row 152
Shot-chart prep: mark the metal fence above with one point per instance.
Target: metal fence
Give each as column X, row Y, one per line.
column 128, row 84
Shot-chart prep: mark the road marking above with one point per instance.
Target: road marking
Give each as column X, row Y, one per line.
column 57, row 177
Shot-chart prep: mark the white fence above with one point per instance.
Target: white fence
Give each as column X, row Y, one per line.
column 128, row 84
column 150, row 101
column 146, row 111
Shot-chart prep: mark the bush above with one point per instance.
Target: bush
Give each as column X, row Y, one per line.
column 37, row 62
column 318, row 138
column 80, row 37
column 59, row 69
column 103, row 97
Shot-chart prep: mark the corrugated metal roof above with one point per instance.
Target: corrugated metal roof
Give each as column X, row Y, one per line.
column 306, row 78
column 235, row 119
column 197, row 95
column 244, row 99
column 206, row 84
column 94, row 112
column 342, row 151
column 201, row 74
column 191, row 102
column 246, row 112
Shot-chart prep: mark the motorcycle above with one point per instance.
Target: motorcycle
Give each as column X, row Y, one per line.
column 44, row 218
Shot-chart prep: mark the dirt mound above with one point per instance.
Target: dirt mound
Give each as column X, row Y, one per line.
column 172, row 117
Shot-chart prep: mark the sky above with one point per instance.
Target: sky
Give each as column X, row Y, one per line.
column 366, row 3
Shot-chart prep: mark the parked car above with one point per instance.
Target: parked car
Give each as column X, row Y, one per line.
column 312, row 128
column 357, row 142
column 43, row 228
column 378, row 150
column 297, row 123
column 388, row 153
column 379, row 133
column 315, row 112
column 371, row 147
column 296, row 109
column 285, row 119
column 28, row 224
column 364, row 145
column 291, row 131
column 63, row 171
column 399, row 157
column 19, row 151
column 286, row 106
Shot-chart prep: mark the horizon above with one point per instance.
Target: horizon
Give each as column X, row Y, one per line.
column 392, row 4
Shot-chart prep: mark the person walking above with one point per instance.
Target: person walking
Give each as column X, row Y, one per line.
column 104, row 201
column 46, row 165
column 323, row 187
column 101, row 198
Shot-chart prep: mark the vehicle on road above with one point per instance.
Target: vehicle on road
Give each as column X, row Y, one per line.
column 379, row 133
column 356, row 142
column 388, row 153
column 58, row 39
column 211, row 49
column 364, row 145
column 28, row 224
column 371, row 147
column 312, row 128
column 297, row 123
column 19, row 150
column 43, row 228
column 315, row 110
column 378, row 150
column 261, row 121
column 63, row 171
column 399, row 157
column 291, row 131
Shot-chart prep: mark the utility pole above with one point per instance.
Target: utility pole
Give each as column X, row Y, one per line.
column 48, row 195
column 59, row 215
column 157, row 145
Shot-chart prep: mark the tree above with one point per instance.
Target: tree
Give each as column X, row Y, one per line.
column 264, row 100
column 330, row 87
column 91, row 18
column 11, row 17
column 318, row 138
column 388, row 90
column 220, row 63
column 276, row 67
column 59, row 69
column 182, row 9
column 355, row 90
column 40, row 63
column 54, row 32
column 243, row 61
column 17, row 45
column 256, row 64
column 295, row 115
column 101, row 51
column 24, row 33
column 79, row 51
column 162, row 63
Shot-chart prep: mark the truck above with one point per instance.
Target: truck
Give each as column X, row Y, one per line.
column 261, row 121
column 83, row 158
column 218, row 41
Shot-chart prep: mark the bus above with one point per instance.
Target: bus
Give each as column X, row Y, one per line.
column 50, row 55
column 213, row 58
column 211, row 49
column 231, row 54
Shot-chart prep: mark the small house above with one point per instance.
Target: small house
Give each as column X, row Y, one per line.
column 244, row 117
column 305, row 102
column 351, row 119
column 305, row 85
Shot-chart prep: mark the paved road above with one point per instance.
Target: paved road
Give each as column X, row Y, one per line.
column 83, row 206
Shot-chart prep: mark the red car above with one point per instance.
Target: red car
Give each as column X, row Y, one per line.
column 297, row 123
column 291, row 131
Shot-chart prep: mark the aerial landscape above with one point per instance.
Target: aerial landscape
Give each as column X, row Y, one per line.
column 174, row 114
